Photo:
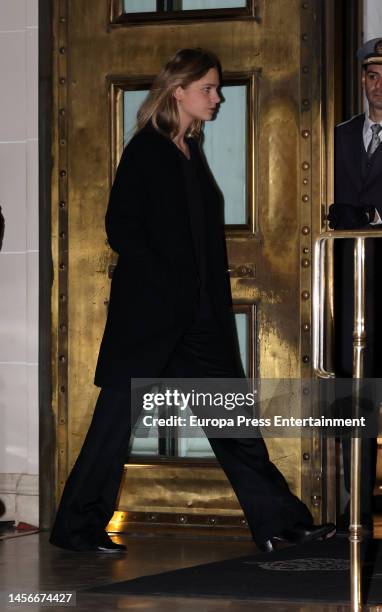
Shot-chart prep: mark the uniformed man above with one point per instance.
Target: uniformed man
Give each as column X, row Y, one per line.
column 358, row 204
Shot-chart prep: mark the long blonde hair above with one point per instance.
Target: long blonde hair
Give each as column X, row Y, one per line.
column 160, row 107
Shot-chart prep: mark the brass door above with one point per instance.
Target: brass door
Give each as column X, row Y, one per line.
column 270, row 51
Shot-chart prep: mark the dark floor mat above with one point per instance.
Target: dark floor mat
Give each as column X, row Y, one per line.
column 313, row 572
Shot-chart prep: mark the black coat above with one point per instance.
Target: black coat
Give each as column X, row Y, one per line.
column 155, row 286
column 355, row 183
column 358, row 181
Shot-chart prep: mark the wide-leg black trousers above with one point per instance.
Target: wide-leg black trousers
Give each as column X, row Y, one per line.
column 90, row 494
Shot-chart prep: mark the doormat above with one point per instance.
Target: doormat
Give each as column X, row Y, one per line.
column 313, row 572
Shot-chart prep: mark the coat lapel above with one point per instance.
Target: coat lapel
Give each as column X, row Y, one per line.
column 376, row 168
column 212, row 197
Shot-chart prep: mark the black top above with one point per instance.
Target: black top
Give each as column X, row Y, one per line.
column 155, row 289
column 198, row 228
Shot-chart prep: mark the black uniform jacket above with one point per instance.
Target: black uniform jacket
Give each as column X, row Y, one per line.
column 155, row 285
column 358, row 181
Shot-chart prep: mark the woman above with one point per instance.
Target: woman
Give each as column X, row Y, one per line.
column 170, row 312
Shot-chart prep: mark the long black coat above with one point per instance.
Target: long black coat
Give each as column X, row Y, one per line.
column 358, row 181
column 155, row 286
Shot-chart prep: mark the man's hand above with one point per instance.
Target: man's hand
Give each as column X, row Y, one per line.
column 348, row 217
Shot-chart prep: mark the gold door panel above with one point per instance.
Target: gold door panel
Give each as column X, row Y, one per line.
column 270, row 53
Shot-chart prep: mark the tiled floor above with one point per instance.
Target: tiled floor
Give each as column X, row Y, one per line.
column 29, row 563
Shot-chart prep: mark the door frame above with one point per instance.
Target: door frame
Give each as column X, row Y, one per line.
column 47, row 425
column 53, row 37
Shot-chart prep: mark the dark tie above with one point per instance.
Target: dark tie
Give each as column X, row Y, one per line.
column 374, row 142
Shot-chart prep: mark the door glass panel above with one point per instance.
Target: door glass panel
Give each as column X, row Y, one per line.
column 225, row 146
column 131, row 103
column 242, row 332
column 188, row 5
column 197, row 445
column 139, row 6
column 144, row 6
column 146, row 447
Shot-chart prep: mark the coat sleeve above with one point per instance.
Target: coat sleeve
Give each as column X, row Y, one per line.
column 124, row 219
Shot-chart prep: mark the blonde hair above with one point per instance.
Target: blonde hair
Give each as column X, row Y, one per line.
column 160, row 107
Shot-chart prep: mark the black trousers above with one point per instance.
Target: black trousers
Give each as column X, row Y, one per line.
column 90, row 495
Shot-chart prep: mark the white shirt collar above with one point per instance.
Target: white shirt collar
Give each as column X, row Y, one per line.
column 368, row 123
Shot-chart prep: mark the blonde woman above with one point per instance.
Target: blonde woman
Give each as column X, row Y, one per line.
column 170, row 313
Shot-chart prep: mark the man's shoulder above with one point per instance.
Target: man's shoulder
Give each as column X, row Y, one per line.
column 351, row 124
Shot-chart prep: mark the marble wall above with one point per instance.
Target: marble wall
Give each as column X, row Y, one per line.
column 372, row 25
column 19, row 261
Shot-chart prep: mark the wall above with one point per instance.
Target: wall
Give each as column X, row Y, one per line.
column 372, row 25
column 19, row 260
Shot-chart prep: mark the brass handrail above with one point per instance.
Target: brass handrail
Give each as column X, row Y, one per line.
column 319, row 310
column 359, row 345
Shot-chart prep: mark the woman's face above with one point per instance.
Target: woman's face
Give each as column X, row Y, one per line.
column 199, row 99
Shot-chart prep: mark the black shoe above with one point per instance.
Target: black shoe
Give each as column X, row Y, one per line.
column 104, row 544
column 301, row 533
column 107, row 545
column 266, row 546
column 110, row 548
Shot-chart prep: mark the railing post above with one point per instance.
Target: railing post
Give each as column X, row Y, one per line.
column 359, row 344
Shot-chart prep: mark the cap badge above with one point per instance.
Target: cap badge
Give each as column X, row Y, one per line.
column 378, row 47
